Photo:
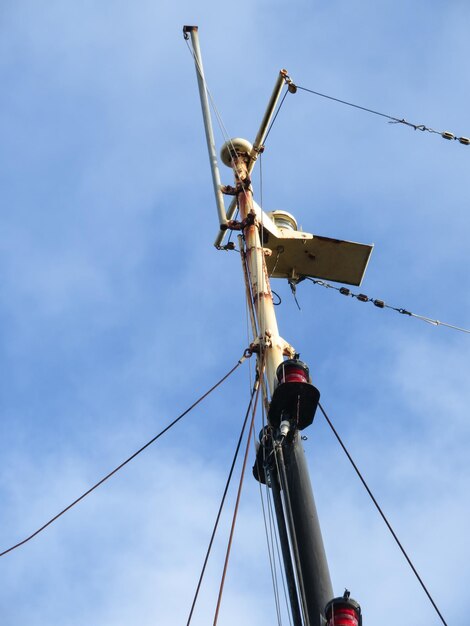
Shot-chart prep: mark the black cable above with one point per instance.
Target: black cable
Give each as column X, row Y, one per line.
column 222, row 502
column 293, row 288
column 278, row 297
column 382, row 514
column 119, row 467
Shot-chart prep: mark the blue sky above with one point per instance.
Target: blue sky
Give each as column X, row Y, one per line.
column 117, row 312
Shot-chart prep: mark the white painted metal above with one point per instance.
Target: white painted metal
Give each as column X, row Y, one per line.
column 298, row 254
column 295, row 253
column 219, row 197
column 260, row 137
column 275, row 346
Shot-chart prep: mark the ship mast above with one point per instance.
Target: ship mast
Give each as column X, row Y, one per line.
column 272, row 246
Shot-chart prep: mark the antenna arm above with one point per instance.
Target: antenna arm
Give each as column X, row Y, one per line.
column 282, row 79
column 192, row 31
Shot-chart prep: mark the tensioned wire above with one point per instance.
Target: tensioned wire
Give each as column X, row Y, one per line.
column 393, row 120
column 274, row 542
column 129, row 459
column 382, row 514
column 222, row 502
column 251, row 313
column 272, row 538
column 261, row 364
column 345, row 291
column 271, row 556
column 209, row 94
column 292, row 535
column 270, row 547
column 218, row 116
column 265, row 385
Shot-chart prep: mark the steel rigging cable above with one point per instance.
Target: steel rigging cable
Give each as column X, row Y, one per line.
column 272, row 544
column 246, row 355
column 242, row 476
column 272, row 537
column 382, row 514
column 381, row 304
column 292, row 87
column 216, row 524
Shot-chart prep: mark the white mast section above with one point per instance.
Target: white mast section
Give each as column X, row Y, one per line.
column 275, row 347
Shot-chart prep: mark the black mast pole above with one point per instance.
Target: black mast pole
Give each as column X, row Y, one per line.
column 284, row 541
column 313, row 563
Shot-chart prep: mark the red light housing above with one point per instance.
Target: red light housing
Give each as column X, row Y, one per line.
column 295, row 398
column 343, row 612
column 292, row 371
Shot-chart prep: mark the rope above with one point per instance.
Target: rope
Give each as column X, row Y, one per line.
column 214, row 531
column 128, row 460
column 382, row 514
column 234, row 519
column 382, row 305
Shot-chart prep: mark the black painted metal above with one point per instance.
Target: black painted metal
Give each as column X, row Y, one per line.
column 286, row 555
column 313, row 563
column 292, row 534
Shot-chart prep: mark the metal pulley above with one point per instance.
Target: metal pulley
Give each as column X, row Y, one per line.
column 295, row 398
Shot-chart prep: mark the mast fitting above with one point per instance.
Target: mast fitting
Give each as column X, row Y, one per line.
column 189, row 29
